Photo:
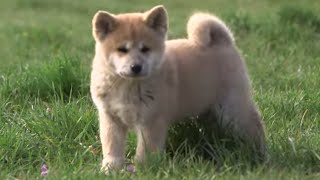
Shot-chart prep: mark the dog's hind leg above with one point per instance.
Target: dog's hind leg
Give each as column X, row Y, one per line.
column 240, row 118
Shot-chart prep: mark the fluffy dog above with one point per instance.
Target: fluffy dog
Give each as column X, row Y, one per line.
column 143, row 82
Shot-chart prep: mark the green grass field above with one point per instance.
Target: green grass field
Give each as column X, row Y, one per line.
column 47, row 116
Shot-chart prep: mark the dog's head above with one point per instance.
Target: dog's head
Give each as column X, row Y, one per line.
column 132, row 44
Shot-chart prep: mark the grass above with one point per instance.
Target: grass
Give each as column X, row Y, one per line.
column 47, row 116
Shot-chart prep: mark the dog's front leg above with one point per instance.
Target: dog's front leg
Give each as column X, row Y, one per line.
column 112, row 135
column 151, row 138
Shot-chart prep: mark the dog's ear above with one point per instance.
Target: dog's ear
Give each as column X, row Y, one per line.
column 157, row 19
column 102, row 24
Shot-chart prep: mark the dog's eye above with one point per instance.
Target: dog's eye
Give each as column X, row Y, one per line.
column 122, row 49
column 145, row 49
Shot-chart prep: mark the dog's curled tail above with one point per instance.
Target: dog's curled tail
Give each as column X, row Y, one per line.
column 208, row 30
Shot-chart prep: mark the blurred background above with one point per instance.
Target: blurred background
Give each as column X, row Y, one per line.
column 33, row 30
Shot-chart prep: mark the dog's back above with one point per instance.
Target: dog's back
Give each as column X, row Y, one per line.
column 208, row 64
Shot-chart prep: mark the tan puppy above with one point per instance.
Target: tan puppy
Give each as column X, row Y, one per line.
column 141, row 81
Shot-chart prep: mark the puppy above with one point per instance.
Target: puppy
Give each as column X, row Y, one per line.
column 142, row 82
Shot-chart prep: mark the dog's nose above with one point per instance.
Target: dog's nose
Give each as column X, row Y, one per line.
column 136, row 68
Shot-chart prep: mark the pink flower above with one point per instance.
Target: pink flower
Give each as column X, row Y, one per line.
column 131, row 168
column 44, row 170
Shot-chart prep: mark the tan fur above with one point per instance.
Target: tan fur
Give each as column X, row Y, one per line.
column 180, row 78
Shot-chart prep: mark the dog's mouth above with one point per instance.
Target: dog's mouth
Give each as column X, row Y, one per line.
column 139, row 76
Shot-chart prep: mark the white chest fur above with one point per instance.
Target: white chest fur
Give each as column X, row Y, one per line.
column 129, row 102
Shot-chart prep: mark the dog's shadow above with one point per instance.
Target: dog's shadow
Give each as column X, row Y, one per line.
column 203, row 137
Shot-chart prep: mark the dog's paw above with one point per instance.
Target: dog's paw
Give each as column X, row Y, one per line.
column 106, row 170
column 139, row 158
column 111, row 164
